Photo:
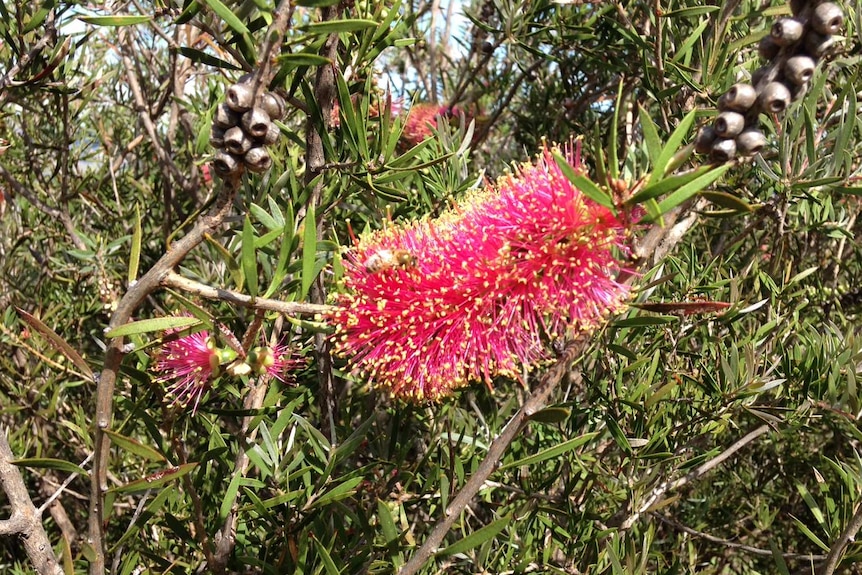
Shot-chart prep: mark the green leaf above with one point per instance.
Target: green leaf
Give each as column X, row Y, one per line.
column 227, row 15
column 582, row 183
column 155, row 480
column 643, row 321
column 476, row 538
column 340, row 491
column 728, row 201
column 690, row 189
column 67, row 350
column 309, row 251
column 48, row 463
column 263, row 217
column 337, row 26
column 673, row 144
column 551, row 415
column 202, row 57
column 150, row 325
column 135, row 254
column 302, row 59
column 134, row 446
column 115, row 20
column 552, row 452
column 650, row 133
column 325, row 557
column 249, row 257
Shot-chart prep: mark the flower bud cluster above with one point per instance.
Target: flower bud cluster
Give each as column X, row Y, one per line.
column 792, row 48
column 242, row 128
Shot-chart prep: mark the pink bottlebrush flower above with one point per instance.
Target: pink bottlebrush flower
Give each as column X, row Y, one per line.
column 477, row 293
column 187, row 364
column 276, row 361
column 421, row 120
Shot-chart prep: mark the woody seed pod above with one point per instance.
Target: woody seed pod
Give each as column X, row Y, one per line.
column 271, row 136
column 705, row 139
column 827, row 18
column 739, row 98
column 786, row 31
column 774, row 98
column 723, row 150
column 762, row 75
column 257, row 159
column 818, row 45
column 256, row 122
column 226, row 164
column 236, row 142
column 224, row 117
column 272, row 104
column 767, row 48
column 797, row 6
column 728, row 124
column 217, row 137
column 799, row 69
column 239, row 97
column 750, row 141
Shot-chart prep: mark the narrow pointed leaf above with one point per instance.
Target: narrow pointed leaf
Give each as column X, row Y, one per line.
column 64, row 348
column 155, row 480
column 477, row 537
column 150, row 325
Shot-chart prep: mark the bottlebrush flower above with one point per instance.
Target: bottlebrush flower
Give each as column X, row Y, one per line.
column 276, row 361
column 422, row 119
column 187, row 364
column 430, row 306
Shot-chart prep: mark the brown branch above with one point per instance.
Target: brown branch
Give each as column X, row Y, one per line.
column 846, row 537
column 106, row 382
column 25, row 521
column 535, row 402
column 175, row 280
column 324, row 95
column 733, row 544
column 666, row 486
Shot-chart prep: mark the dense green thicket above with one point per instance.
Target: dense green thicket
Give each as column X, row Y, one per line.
column 108, row 124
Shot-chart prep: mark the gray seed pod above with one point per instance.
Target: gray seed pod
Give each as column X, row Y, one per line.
column 786, row 31
column 797, row 6
column 762, row 75
column 774, row 98
column 272, row 135
column 705, row 138
column 827, row 18
column 799, row 69
column 257, row 159
column 767, row 48
column 226, row 164
column 272, row 104
column 750, row 141
column 236, row 142
column 723, row 150
column 739, row 98
column 239, row 97
column 217, row 137
column 256, row 123
column 818, row 45
column 728, row 124
column 224, row 117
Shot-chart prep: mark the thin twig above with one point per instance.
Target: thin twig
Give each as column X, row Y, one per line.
column 733, row 544
column 535, row 402
column 666, row 486
column 175, row 280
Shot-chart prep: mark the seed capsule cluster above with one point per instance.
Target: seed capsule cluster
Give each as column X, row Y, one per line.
column 792, row 49
column 242, row 128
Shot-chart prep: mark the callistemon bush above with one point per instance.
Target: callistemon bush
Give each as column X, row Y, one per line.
column 430, row 306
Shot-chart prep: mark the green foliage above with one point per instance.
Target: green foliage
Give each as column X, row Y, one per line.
column 107, row 117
